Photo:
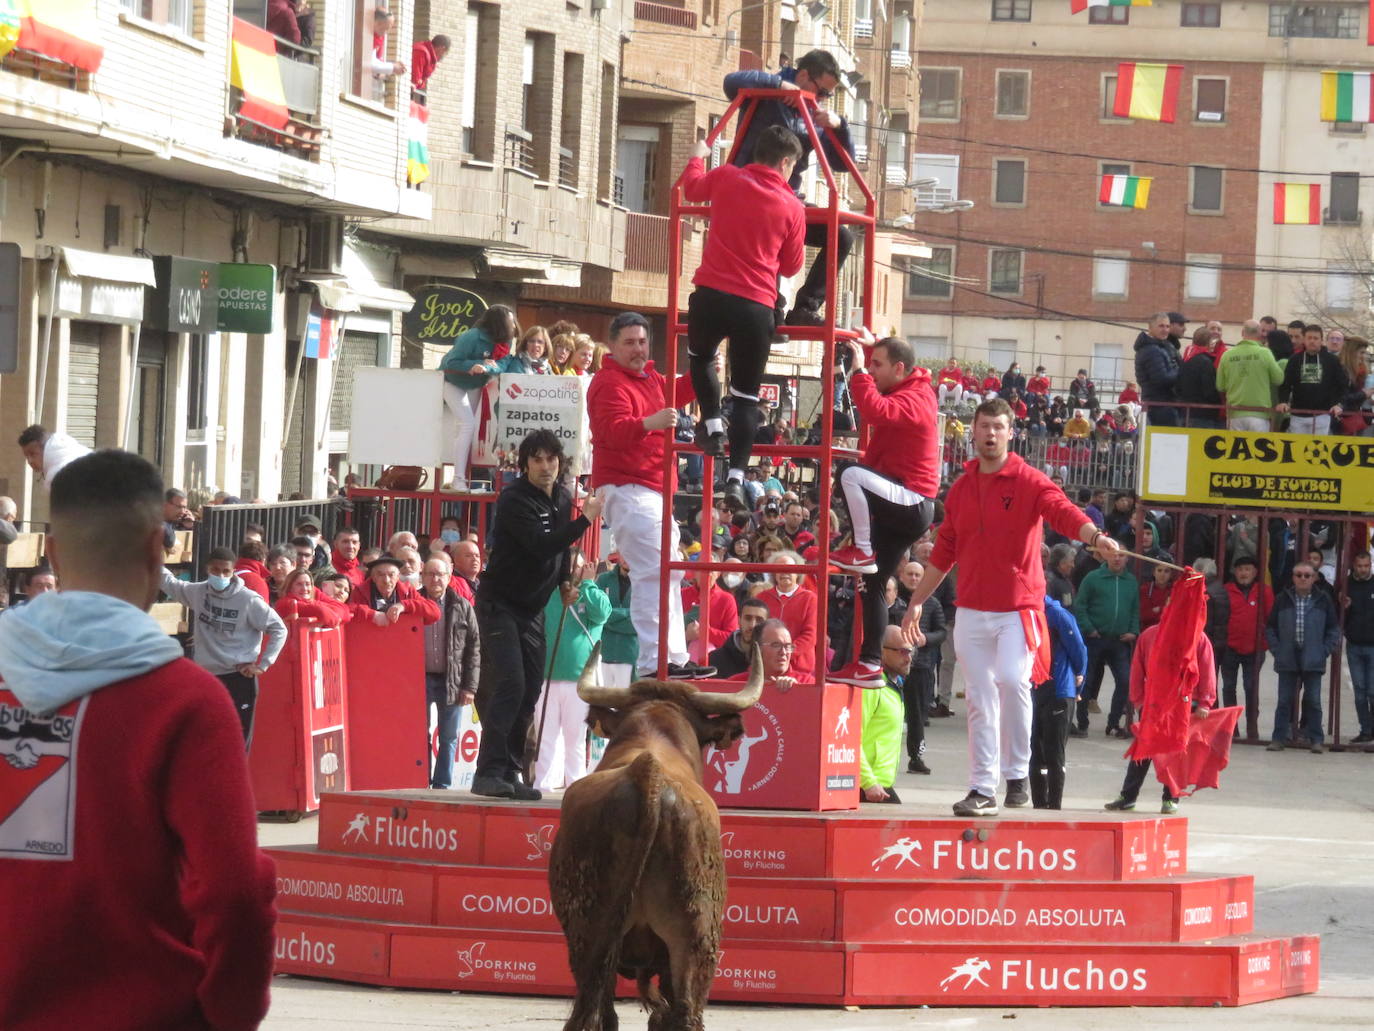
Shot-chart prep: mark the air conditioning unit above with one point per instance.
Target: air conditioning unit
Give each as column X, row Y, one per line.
column 324, row 244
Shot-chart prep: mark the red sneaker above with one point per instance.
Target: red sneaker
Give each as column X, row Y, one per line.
column 858, row 674
column 853, row 560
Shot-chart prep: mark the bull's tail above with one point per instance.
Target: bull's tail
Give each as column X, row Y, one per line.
column 646, row 776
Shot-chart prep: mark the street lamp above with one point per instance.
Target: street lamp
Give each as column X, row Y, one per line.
column 817, row 9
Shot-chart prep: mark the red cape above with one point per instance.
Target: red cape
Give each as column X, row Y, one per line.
column 1206, row 754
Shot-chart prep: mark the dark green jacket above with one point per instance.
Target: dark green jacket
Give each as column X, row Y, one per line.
column 1108, row 603
column 619, row 642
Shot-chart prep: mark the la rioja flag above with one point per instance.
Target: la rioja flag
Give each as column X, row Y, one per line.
column 1076, row 6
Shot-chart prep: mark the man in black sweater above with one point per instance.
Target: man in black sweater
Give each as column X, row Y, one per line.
column 531, row 533
column 1313, row 381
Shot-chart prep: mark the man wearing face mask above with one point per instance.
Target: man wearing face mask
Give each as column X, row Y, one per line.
column 309, row 526
column 229, row 621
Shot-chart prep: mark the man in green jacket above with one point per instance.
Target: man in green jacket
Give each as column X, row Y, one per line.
column 1108, row 612
column 619, row 642
column 1248, row 374
column 564, row 721
column 884, row 718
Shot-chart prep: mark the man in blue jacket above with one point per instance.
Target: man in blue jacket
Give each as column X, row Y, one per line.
column 818, row 73
column 1303, row 630
column 1053, row 706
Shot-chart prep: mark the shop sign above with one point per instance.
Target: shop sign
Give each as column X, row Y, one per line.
column 186, row 298
column 442, row 313
column 246, row 297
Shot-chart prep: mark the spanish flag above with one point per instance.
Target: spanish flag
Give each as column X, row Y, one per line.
column 1297, row 204
column 1077, row 6
column 1147, row 91
column 255, row 72
column 1346, row 96
column 417, row 155
column 1126, row 191
column 65, row 30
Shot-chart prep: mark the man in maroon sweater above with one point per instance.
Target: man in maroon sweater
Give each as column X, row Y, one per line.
column 758, row 230
column 135, row 894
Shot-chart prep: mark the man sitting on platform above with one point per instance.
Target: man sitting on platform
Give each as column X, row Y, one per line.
column 732, row 657
column 778, row 650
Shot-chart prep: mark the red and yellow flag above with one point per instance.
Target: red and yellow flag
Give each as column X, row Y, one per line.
column 1147, row 91
column 1297, row 204
column 255, row 72
column 65, row 30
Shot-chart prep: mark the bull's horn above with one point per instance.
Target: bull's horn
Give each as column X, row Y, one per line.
column 593, row 693
column 713, row 704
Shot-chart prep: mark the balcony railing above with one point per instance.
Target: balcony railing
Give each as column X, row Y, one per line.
column 861, row 153
column 896, row 175
column 618, row 189
column 863, row 28
column 35, row 66
column 646, row 242
column 519, row 149
column 665, row 14
column 567, row 168
column 901, row 58
column 299, row 68
column 1342, row 216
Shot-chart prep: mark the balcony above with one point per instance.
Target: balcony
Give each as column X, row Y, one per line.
column 895, row 175
column 519, row 149
column 1342, row 216
column 31, row 65
column 863, row 28
column 298, row 76
column 646, row 242
column 665, row 14
column 567, row 168
column 860, row 154
column 901, row 58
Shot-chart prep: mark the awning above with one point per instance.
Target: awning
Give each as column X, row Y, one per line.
column 912, row 250
column 340, row 293
column 115, row 268
column 524, row 265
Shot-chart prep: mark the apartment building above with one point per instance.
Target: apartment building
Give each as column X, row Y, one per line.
column 1016, row 112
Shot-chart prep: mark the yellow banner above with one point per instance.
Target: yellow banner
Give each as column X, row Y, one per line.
column 1258, row 470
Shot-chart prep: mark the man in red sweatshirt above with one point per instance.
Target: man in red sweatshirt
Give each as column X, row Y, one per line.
column 344, row 557
column 889, row 493
column 992, row 531
column 629, row 419
column 135, row 894
column 758, row 231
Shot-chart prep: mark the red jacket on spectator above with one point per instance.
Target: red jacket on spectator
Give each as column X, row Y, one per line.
column 798, row 611
column 948, row 376
column 349, row 567
column 724, row 617
column 360, row 602
column 1019, row 408
column 992, row 529
column 1039, row 385
column 1249, row 612
column 322, row 610
column 904, row 444
column 623, row 451
column 992, row 383
column 422, row 63
column 1152, row 599
column 1204, row 692
column 758, row 229
column 970, row 383
column 281, row 21
column 1128, row 396
column 253, row 582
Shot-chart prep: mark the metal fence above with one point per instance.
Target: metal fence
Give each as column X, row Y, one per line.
column 1080, row 463
column 223, row 526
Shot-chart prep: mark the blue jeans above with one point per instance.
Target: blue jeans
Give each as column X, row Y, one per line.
column 1104, row 653
column 1310, row 714
column 1360, row 658
column 436, row 693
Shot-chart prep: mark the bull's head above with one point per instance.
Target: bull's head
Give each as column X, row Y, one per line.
column 713, row 717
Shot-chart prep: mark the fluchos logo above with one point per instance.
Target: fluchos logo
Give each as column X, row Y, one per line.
column 1029, row 975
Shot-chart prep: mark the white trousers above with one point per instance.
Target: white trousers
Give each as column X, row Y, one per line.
column 952, row 392
column 854, row 481
column 1248, row 423
column 996, row 662
column 460, row 426
column 563, row 748
column 635, row 516
column 1318, row 424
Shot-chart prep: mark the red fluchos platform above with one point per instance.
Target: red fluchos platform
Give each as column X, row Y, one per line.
column 422, row 889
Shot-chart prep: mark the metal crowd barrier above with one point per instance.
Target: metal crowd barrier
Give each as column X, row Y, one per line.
column 223, row 526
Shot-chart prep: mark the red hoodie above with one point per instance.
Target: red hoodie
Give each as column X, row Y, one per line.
column 161, row 916
column 1204, row 691
column 992, row 383
column 951, row 376
column 904, row 444
column 992, row 530
column 1038, row 385
column 798, row 611
column 758, row 229
column 724, row 617
column 623, row 451
column 1152, row 600
column 254, row 576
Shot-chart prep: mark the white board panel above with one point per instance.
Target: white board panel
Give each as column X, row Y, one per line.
column 398, row 417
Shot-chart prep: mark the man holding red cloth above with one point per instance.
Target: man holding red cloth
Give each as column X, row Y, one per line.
column 992, row 530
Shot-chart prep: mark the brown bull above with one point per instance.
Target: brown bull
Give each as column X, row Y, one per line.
column 636, row 874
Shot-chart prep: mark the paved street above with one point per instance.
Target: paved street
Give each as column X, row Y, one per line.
column 1302, row 824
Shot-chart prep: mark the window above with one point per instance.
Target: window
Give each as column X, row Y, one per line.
column 197, row 382
column 934, row 349
column 1202, row 278
column 1353, row 128
column 471, row 24
column 1109, row 99
column 1109, row 168
column 1001, row 354
column 930, row 278
column 1011, row 10
column 1340, row 291
column 526, row 81
column 1201, row 16
column 606, row 176
column 940, row 93
column 536, row 105
column 1111, row 275
column 1204, row 190
column 637, row 160
column 1013, row 94
column 1109, row 15
column 482, row 28
column 944, row 169
column 1107, row 364
column 175, row 14
column 1209, row 100
column 1009, row 181
column 1004, row 271
column 570, row 121
column 1344, row 203
column 1315, row 21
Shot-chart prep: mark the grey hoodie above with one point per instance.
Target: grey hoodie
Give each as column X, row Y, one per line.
column 228, row 625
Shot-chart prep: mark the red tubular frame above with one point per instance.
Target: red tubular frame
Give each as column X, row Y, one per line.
column 746, row 103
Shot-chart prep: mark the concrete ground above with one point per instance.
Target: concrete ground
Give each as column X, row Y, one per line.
column 1302, row 824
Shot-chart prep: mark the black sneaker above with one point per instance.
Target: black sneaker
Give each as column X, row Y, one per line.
column 1078, row 732
column 1017, row 794
column 712, row 444
column 917, row 766
column 1358, row 739
column 1274, row 746
column 690, row 671
column 1122, row 733
column 522, row 792
column 974, row 804
column 1120, row 804
column 1111, row 732
column 492, row 787
column 735, row 496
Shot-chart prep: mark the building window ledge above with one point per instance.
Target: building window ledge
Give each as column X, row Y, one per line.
column 568, row 189
column 368, row 105
column 471, row 162
column 161, row 31
column 532, row 176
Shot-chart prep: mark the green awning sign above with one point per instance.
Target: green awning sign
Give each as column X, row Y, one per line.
column 246, row 296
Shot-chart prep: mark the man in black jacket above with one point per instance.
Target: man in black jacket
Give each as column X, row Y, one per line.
column 1313, row 381
column 1197, row 382
column 1156, row 370
column 1359, row 642
column 733, row 656
column 1302, row 632
column 531, row 533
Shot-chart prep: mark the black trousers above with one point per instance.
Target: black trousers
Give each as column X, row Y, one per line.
column 895, row 528
column 510, row 684
column 713, row 316
column 243, row 692
column 1050, row 718
column 1135, row 777
column 916, row 689
column 812, row 292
